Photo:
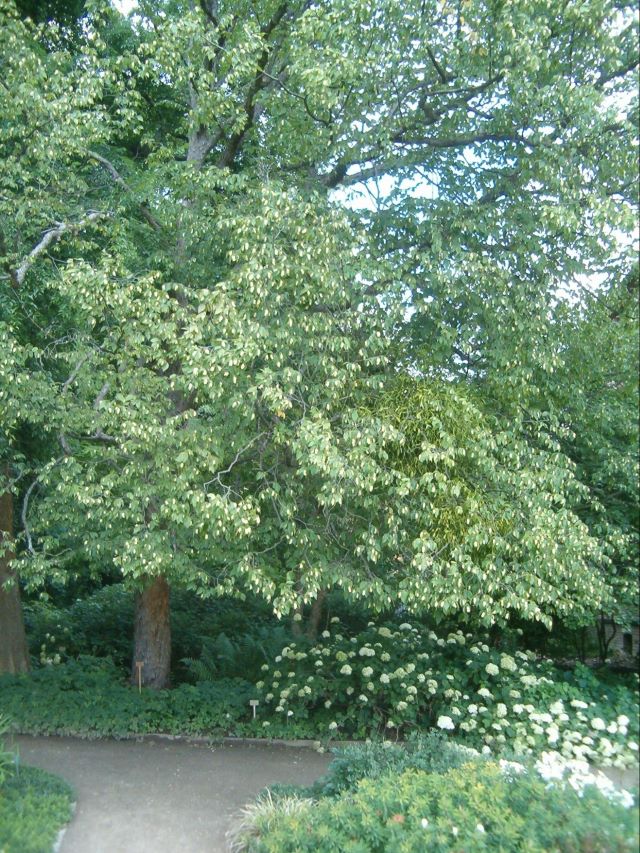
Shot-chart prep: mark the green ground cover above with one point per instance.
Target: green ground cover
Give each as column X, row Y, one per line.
column 34, row 805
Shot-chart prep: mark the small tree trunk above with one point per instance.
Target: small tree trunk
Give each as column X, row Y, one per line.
column 152, row 635
column 14, row 654
column 313, row 623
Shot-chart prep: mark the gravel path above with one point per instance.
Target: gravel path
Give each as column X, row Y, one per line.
column 162, row 796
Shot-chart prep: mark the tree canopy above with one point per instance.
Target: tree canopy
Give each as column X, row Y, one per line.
column 282, row 296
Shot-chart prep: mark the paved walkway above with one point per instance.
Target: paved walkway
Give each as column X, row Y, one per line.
column 162, row 796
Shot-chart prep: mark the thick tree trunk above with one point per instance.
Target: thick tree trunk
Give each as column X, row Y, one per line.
column 14, row 654
column 152, row 635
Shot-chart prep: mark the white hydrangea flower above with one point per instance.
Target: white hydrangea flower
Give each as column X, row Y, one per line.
column 326, row 634
column 367, row 671
column 385, row 657
column 367, row 651
column 491, row 669
column 501, row 709
column 445, row 723
column 346, row 670
column 486, row 693
column 598, row 724
column 402, row 706
column 384, row 678
column 508, row 663
column 553, row 734
column 333, row 726
column 405, row 626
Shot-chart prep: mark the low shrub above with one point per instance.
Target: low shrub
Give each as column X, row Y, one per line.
column 88, row 698
column 34, row 806
column 431, row 753
column 7, row 757
column 476, row 807
column 394, row 680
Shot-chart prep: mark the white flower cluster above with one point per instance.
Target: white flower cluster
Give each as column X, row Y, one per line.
column 417, row 679
column 556, row 769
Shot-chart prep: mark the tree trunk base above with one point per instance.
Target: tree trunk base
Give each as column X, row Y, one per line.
column 152, row 636
column 14, row 653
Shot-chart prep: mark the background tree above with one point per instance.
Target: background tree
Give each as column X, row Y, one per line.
column 182, row 201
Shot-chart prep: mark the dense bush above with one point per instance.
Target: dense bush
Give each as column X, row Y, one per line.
column 34, row 806
column 477, row 807
column 394, row 680
column 431, row 753
column 89, row 698
column 102, row 625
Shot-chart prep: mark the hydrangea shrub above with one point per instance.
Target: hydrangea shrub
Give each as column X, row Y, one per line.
column 392, row 680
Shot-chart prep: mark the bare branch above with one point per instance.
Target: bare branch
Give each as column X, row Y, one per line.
column 52, row 236
column 23, row 515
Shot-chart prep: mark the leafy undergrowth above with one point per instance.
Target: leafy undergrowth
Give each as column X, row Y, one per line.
column 89, row 698
column 34, row 806
column 379, row 798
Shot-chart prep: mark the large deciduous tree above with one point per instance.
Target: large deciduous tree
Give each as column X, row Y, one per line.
column 181, row 187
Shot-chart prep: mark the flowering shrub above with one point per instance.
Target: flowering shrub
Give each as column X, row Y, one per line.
column 477, row 807
column 394, row 679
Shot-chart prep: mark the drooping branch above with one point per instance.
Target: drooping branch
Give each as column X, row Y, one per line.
column 52, row 236
column 120, row 181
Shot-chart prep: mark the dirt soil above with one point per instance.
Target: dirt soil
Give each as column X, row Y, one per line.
column 159, row 796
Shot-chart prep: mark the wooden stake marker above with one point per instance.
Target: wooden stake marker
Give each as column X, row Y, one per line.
column 139, row 665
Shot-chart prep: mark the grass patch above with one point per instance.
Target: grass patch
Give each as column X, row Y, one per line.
column 34, row 806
